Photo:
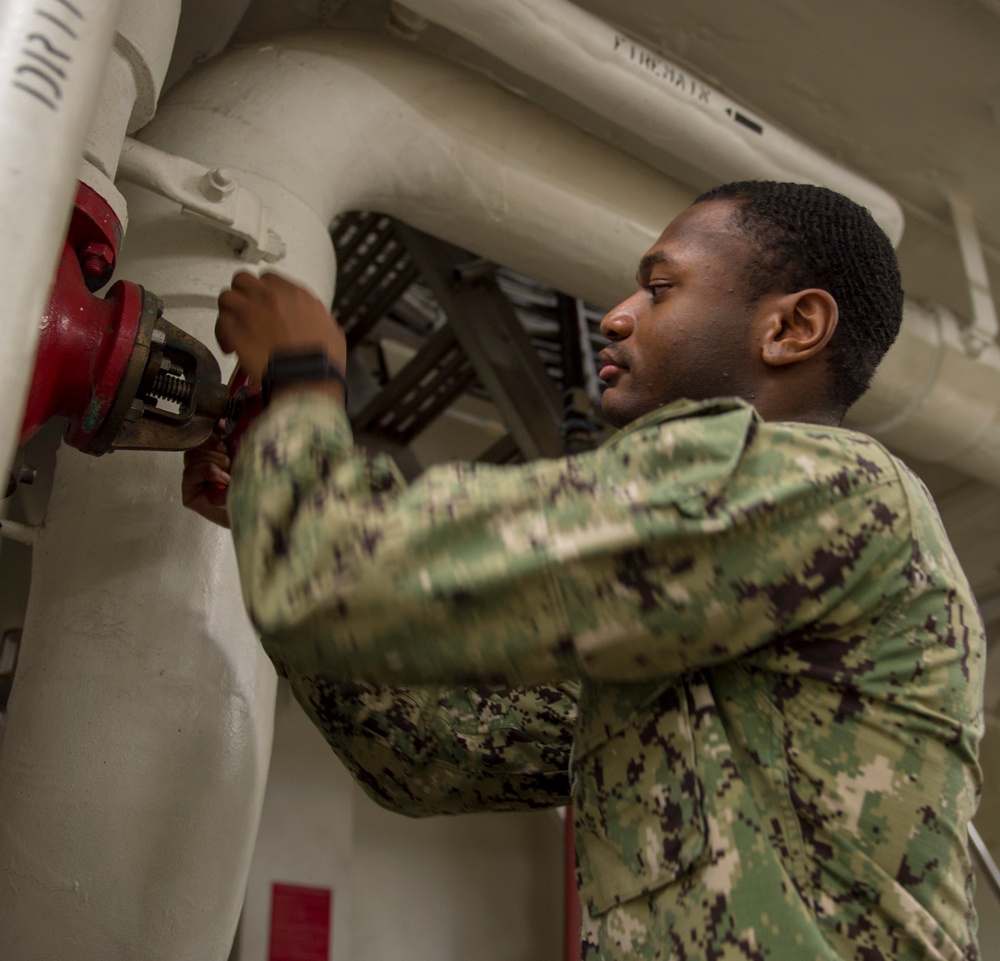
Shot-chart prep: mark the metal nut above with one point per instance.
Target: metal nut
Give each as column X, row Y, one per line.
column 218, row 184
column 97, row 260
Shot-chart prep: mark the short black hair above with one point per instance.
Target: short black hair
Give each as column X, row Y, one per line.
column 807, row 236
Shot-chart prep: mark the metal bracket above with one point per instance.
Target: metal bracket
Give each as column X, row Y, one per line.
column 211, row 195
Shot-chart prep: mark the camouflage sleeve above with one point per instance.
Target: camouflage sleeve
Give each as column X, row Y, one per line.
column 424, row 751
column 688, row 541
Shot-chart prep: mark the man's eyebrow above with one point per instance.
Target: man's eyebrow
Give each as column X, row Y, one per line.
column 651, row 259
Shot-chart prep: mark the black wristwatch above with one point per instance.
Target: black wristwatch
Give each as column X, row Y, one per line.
column 298, row 367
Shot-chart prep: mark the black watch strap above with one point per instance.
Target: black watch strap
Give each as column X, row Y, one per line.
column 298, row 367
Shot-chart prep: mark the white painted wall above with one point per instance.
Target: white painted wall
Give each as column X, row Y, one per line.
column 485, row 886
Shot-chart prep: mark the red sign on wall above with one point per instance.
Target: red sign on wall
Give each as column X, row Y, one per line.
column 300, row 923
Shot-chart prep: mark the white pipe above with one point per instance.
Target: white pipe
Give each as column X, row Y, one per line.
column 53, row 57
column 136, row 753
column 139, row 729
column 138, row 741
column 569, row 50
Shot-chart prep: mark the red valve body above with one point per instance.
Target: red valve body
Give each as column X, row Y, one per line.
column 86, row 341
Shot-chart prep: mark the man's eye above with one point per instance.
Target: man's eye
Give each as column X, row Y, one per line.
column 659, row 287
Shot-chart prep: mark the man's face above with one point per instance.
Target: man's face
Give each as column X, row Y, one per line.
column 688, row 331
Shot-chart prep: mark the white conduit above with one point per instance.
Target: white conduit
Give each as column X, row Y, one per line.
column 353, row 122
column 138, row 737
column 581, row 56
column 53, row 56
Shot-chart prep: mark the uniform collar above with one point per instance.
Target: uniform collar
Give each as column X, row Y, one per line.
column 681, row 409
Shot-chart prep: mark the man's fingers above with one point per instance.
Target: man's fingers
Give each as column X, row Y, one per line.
column 233, row 304
column 244, row 280
column 206, row 475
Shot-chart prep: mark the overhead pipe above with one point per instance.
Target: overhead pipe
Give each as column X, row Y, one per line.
column 347, row 121
column 562, row 46
column 53, row 58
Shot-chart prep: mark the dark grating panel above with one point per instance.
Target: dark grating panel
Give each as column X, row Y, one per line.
column 378, row 280
column 374, row 271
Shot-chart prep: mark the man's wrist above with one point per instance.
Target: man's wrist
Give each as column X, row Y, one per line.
column 310, row 369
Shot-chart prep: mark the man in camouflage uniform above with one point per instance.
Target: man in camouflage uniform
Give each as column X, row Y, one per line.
column 772, row 749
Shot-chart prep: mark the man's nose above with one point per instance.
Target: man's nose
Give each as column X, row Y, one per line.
column 618, row 323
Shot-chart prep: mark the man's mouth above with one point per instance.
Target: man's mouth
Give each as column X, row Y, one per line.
column 609, row 365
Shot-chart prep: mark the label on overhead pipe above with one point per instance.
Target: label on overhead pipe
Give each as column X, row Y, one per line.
column 681, row 81
column 652, row 63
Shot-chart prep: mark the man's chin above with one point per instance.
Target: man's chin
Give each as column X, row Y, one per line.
column 613, row 410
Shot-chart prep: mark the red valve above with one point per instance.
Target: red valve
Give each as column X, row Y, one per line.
column 121, row 374
column 86, row 342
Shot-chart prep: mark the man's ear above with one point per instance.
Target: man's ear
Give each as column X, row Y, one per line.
column 798, row 326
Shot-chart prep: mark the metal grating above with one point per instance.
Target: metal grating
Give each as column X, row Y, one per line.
column 381, row 292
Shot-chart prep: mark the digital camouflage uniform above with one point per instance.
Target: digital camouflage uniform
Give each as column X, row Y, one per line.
column 780, row 668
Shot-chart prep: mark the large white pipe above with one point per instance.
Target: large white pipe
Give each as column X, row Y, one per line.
column 138, row 741
column 581, row 56
column 52, row 63
column 138, row 734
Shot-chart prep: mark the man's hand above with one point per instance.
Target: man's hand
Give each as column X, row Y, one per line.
column 261, row 315
column 205, row 479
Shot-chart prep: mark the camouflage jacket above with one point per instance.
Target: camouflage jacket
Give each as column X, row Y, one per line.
column 780, row 668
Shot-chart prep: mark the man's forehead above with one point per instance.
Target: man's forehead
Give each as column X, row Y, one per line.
column 705, row 227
